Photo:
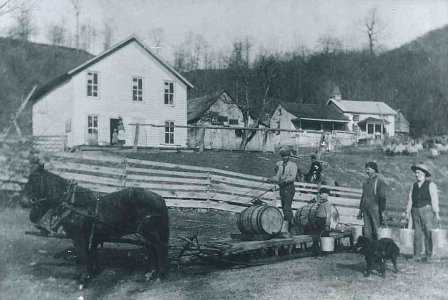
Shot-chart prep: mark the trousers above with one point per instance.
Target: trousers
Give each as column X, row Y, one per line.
column 423, row 220
column 287, row 193
column 371, row 215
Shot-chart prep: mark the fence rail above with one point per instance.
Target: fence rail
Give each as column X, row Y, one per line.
column 181, row 185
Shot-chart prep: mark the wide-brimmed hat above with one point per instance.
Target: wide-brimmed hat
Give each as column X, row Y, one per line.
column 372, row 165
column 422, row 167
column 284, row 151
column 324, row 190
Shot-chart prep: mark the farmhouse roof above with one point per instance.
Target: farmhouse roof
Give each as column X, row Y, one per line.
column 373, row 120
column 315, row 112
column 196, row 107
column 363, row 107
column 42, row 91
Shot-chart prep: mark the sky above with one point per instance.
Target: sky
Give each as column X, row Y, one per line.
column 278, row 25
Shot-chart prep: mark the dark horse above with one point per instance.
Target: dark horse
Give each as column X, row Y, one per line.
column 90, row 219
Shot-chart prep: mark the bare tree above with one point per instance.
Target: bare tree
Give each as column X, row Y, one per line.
column 57, row 35
column 108, row 36
column 77, row 8
column 8, row 6
column 157, row 36
column 23, row 27
column 373, row 26
column 329, row 44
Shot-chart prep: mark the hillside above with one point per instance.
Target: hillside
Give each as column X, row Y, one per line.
column 412, row 78
column 25, row 64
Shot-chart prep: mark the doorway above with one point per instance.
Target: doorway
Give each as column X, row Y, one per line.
column 113, row 125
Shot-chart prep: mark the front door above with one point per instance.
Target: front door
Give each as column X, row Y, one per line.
column 92, row 130
column 113, row 125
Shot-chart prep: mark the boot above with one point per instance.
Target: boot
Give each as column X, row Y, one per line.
column 285, row 229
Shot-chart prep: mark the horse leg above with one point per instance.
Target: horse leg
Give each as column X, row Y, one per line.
column 82, row 253
column 158, row 256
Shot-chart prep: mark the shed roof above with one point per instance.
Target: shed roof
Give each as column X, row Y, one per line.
column 196, row 107
column 315, row 112
column 42, row 91
column 363, row 107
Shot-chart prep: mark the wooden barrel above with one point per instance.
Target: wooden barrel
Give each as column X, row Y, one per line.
column 306, row 217
column 260, row 219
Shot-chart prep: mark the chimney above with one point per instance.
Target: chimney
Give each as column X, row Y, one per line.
column 336, row 94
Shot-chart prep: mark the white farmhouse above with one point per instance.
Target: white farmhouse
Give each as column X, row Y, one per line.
column 368, row 118
column 127, row 81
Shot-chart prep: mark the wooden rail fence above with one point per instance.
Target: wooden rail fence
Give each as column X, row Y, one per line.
column 187, row 186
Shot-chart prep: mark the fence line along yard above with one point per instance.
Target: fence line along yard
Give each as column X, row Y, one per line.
column 184, row 186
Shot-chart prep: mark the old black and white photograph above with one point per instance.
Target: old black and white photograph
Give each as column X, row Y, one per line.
column 223, row 149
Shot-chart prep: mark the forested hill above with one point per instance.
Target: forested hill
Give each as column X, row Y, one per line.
column 24, row 64
column 412, row 78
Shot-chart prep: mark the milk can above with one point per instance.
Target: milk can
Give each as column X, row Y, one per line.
column 439, row 242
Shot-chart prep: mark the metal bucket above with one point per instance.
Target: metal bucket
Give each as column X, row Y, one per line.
column 439, row 242
column 406, row 241
column 356, row 233
column 327, row 244
column 385, row 232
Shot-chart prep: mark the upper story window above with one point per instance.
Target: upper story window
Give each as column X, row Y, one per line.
column 169, row 92
column 137, row 89
column 92, row 84
column 355, row 118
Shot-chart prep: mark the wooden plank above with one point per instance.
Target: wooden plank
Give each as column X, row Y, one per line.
column 13, row 178
column 87, row 156
column 99, row 188
column 74, row 167
column 165, row 186
column 168, row 173
column 90, row 178
column 237, row 190
column 203, row 205
column 170, row 180
column 240, row 182
column 237, row 198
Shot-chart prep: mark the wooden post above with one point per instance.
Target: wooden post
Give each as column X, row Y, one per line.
column 16, row 115
column 265, row 139
column 201, row 143
column 137, row 129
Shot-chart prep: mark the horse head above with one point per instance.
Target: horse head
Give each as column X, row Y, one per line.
column 38, row 193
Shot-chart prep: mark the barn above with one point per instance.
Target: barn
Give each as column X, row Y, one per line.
column 127, row 82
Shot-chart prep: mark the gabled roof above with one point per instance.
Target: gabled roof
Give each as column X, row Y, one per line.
column 373, row 120
column 67, row 76
column 196, row 107
column 315, row 112
column 363, row 107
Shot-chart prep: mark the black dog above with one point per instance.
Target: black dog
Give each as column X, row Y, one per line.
column 378, row 252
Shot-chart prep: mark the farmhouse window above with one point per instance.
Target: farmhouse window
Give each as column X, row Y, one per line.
column 92, row 84
column 355, row 117
column 137, row 89
column 233, row 121
column 92, row 124
column 370, row 128
column 222, row 119
column 278, row 127
column 169, row 132
column 169, row 92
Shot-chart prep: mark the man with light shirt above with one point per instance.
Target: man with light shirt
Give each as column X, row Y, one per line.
column 423, row 206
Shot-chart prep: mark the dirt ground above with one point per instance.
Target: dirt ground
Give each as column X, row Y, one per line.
column 28, row 270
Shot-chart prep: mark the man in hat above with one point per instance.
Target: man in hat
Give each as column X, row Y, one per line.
column 373, row 201
column 423, row 206
column 323, row 212
column 285, row 176
column 313, row 175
